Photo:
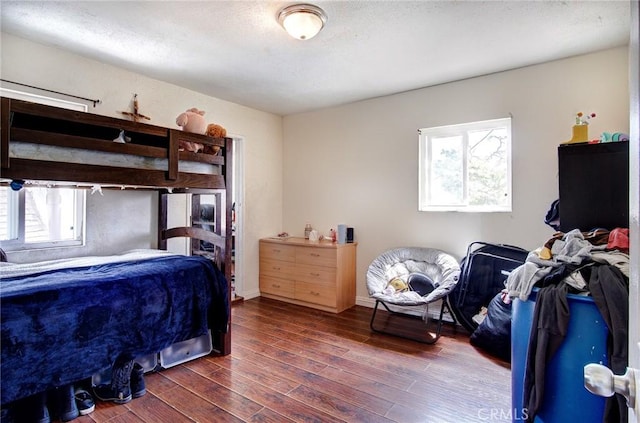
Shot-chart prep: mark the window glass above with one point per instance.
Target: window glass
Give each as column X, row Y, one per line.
column 40, row 217
column 447, row 171
column 466, row 167
column 8, row 214
column 51, row 215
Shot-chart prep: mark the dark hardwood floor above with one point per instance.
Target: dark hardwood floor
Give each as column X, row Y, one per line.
column 294, row 364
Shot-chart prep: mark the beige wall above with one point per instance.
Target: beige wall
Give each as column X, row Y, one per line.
column 353, row 164
column 356, row 164
column 120, row 222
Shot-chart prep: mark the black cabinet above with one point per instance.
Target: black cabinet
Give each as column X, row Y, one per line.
column 594, row 185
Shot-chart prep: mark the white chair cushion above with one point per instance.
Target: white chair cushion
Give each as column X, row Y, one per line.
column 441, row 267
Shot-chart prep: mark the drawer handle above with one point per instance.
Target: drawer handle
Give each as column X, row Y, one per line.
column 275, row 268
column 275, row 285
column 315, row 294
column 275, row 250
column 314, row 254
column 314, row 274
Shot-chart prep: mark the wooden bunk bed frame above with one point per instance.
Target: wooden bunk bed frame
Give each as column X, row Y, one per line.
column 25, row 122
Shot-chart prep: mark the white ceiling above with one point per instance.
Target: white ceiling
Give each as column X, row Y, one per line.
column 236, row 51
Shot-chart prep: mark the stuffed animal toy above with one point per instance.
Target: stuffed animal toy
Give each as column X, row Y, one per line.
column 192, row 121
column 398, row 285
column 395, row 286
column 215, row 131
column 194, row 147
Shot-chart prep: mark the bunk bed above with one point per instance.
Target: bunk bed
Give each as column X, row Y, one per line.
column 64, row 320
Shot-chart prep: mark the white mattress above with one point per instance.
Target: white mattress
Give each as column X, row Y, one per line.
column 10, row 270
column 25, row 150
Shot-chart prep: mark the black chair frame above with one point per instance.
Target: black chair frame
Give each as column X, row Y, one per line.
column 445, row 307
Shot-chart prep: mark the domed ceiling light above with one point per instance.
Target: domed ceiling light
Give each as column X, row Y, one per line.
column 302, row 21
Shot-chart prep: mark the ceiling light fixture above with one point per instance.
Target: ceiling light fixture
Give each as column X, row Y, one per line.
column 302, row 21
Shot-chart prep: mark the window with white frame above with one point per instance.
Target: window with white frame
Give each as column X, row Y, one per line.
column 466, row 167
column 41, row 217
column 37, row 216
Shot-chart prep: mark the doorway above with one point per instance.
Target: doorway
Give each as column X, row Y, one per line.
column 238, row 218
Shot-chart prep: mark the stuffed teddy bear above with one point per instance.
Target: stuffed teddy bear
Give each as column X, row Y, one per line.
column 192, row 121
column 215, row 131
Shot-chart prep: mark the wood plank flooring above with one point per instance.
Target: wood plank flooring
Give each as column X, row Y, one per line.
column 295, row 364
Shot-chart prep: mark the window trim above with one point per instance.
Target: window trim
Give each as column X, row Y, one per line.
column 40, row 99
column 18, row 212
column 425, row 165
column 19, row 244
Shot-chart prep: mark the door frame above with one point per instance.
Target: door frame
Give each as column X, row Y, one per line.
column 238, row 198
column 634, row 202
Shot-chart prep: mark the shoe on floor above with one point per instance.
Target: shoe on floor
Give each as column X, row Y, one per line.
column 119, row 390
column 138, row 387
column 6, row 416
column 107, row 392
column 63, row 403
column 32, row 409
column 84, row 402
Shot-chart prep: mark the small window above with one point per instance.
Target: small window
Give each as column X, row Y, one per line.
column 466, row 167
column 37, row 216
column 41, row 217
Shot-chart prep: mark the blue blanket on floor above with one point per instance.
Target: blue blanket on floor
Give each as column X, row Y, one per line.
column 62, row 326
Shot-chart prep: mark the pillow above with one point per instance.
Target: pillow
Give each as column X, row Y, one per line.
column 420, row 283
column 3, row 255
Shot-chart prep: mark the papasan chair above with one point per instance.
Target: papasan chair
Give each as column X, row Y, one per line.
column 409, row 264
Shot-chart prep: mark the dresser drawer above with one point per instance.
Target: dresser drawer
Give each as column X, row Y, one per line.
column 277, row 268
column 275, row 286
column 277, row 252
column 315, row 274
column 316, row 256
column 316, row 293
column 321, row 275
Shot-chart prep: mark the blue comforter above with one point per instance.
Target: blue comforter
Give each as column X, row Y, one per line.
column 62, row 326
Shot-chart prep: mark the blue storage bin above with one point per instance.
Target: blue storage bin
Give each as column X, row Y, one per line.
column 565, row 397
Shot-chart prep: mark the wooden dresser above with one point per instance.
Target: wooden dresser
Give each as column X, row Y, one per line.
column 317, row 274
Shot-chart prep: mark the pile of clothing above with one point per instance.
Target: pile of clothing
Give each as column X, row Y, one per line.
column 592, row 263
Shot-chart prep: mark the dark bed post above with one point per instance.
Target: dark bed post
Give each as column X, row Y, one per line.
column 228, row 177
column 225, row 347
column 162, row 219
column 4, row 130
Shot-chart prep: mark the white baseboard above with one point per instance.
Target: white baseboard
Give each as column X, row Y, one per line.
column 434, row 308
column 365, row 302
column 249, row 295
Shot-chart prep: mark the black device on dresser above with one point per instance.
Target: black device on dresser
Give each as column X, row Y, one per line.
column 594, row 185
